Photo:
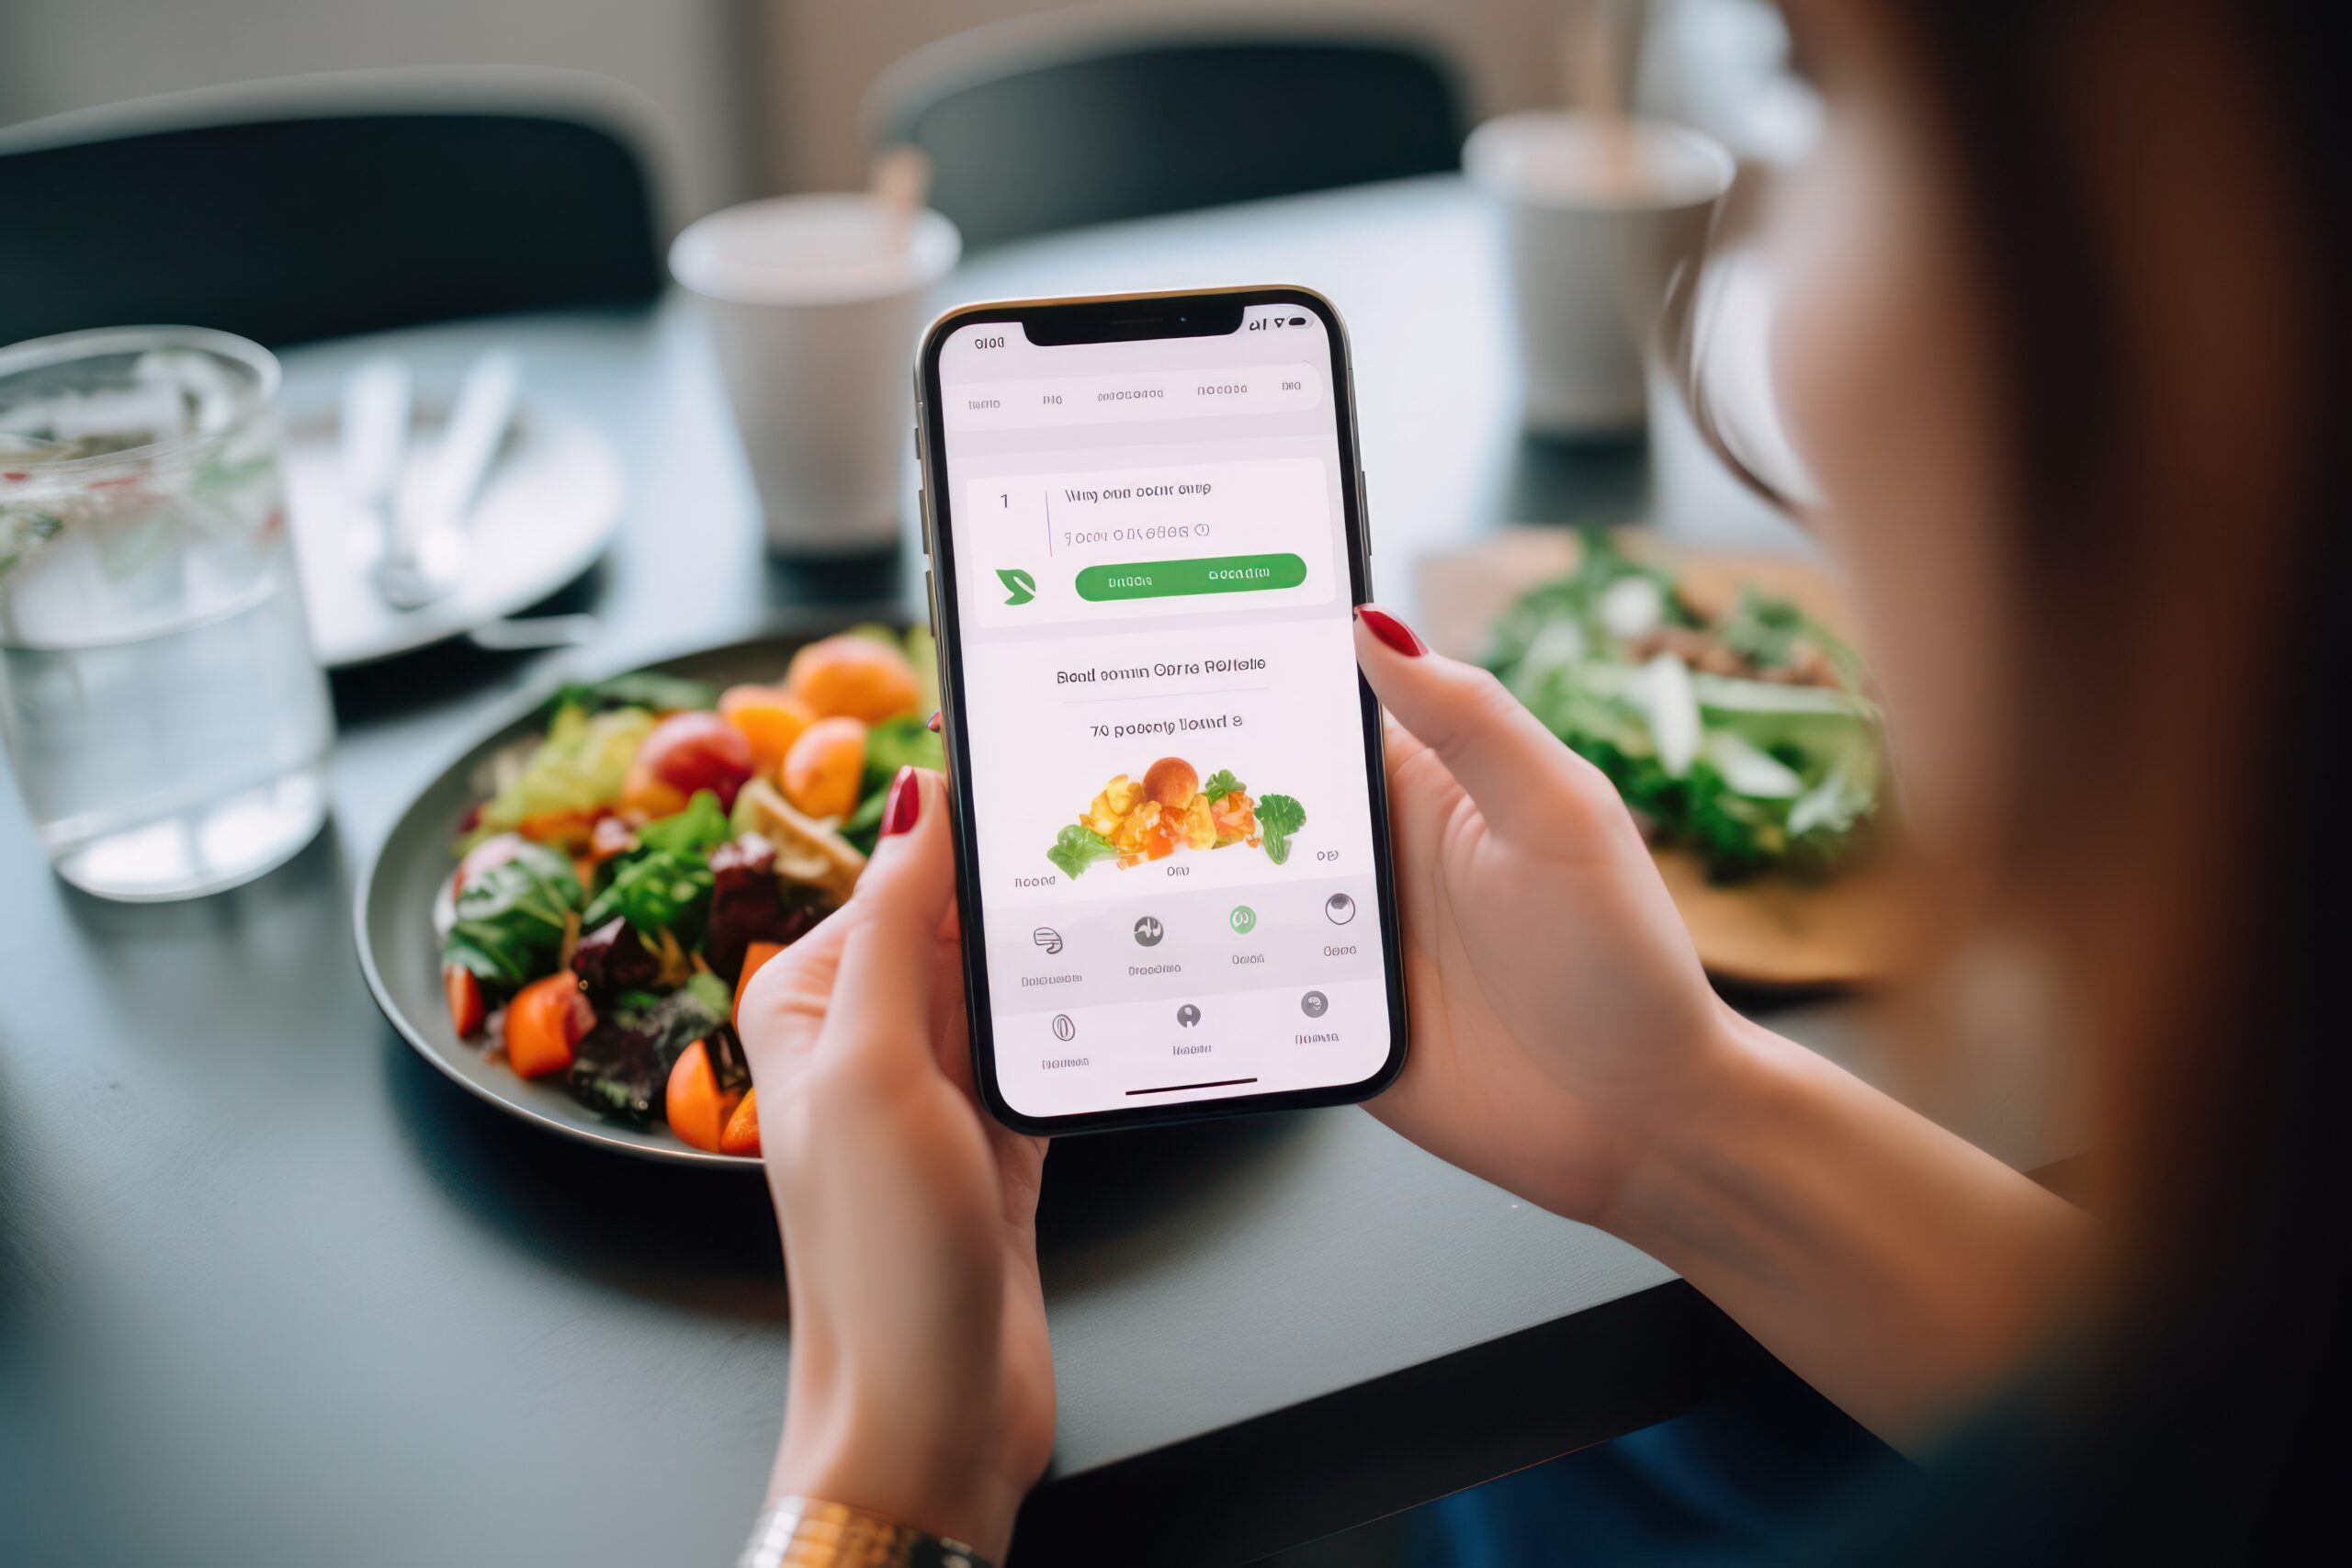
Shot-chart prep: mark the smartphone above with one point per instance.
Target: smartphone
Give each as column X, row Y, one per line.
column 1147, row 535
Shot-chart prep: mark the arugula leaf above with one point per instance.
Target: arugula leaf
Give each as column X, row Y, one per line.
column 692, row 833
column 1279, row 817
column 654, row 891
column 1221, row 783
column 664, row 884
column 1078, row 848
column 512, row 918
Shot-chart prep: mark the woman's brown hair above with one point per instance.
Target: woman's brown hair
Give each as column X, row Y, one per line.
column 2176, row 833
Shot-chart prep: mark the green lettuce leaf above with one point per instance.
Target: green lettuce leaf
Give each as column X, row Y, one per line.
column 863, row 827
column 511, row 920
column 578, row 767
column 902, row 742
column 693, row 833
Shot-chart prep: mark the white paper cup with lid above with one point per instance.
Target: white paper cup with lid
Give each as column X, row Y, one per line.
column 814, row 303
column 1596, row 214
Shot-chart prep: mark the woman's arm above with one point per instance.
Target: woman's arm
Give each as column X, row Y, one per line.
column 1567, row 1046
column 922, row 1385
column 1902, row 1271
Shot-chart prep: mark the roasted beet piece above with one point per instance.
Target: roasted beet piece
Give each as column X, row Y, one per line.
column 746, row 902
column 800, row 918
column 612, row 959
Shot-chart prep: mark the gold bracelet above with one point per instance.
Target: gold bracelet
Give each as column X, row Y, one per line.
column 803, row 1532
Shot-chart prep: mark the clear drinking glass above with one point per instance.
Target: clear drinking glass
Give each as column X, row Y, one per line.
column 165, row 719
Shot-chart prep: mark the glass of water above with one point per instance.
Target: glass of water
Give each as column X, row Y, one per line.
column 165, row 719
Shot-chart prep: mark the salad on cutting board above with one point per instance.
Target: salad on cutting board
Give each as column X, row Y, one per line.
column 1722, row 699
column 1740, row 733
column 628, row 868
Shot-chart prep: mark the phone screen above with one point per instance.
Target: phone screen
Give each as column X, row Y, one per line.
column 1148, row 558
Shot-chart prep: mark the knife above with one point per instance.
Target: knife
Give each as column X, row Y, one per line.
column 375, row 437
column 425, row 551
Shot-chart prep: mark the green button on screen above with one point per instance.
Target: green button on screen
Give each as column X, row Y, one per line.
column 1201, row 574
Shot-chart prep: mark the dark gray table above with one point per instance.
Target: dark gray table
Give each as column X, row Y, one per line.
column 273, row 1292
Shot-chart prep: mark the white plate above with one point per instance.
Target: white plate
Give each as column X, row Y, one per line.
column 545, row 513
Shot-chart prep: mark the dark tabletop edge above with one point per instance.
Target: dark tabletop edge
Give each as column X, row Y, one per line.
column 1362, row 1453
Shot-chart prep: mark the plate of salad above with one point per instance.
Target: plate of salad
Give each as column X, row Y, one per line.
column 563, row 920
column 1724, row 699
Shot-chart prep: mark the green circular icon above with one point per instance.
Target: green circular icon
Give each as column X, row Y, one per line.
column 1244, row 919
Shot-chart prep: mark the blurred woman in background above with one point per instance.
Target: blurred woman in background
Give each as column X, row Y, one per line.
column 2060, row 349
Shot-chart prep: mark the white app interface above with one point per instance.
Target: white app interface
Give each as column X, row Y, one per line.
column 1175, row 836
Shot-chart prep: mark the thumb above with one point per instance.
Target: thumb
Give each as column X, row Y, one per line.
column 881, row 1000
column 1511, row 767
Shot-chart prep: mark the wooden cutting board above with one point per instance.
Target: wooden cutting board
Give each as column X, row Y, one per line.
column 1772, row 931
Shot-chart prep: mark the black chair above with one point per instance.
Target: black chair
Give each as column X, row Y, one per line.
column 1031, row 129
column 311, row 222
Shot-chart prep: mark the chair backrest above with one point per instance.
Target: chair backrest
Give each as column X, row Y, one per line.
column 297, row 222
column 1030, row 129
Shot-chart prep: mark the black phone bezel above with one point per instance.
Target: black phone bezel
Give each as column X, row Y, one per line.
column 1120, row 318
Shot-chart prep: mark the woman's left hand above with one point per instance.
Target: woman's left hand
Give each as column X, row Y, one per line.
column 921, row 1384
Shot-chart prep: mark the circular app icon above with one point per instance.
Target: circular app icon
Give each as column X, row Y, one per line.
column 1314, row 1004
column 1149, row 931
column 1188, row 1015
column 1244, row 919
column 1063, row 1028
column 1339, row 909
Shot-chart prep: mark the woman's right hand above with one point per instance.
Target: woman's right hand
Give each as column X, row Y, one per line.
column 1561, row 1024
column 1566, row 1046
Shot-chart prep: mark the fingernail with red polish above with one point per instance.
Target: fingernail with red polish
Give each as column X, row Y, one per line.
column 1392, row 631
column 905, row 804
column 932, row 723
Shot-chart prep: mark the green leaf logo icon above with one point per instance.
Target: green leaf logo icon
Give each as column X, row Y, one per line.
column 1020, row 586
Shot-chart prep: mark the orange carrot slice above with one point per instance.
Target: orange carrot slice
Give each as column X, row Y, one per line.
column 742, row 1134
column 694, row 1106
column 544, row 1022
column 754, row 955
